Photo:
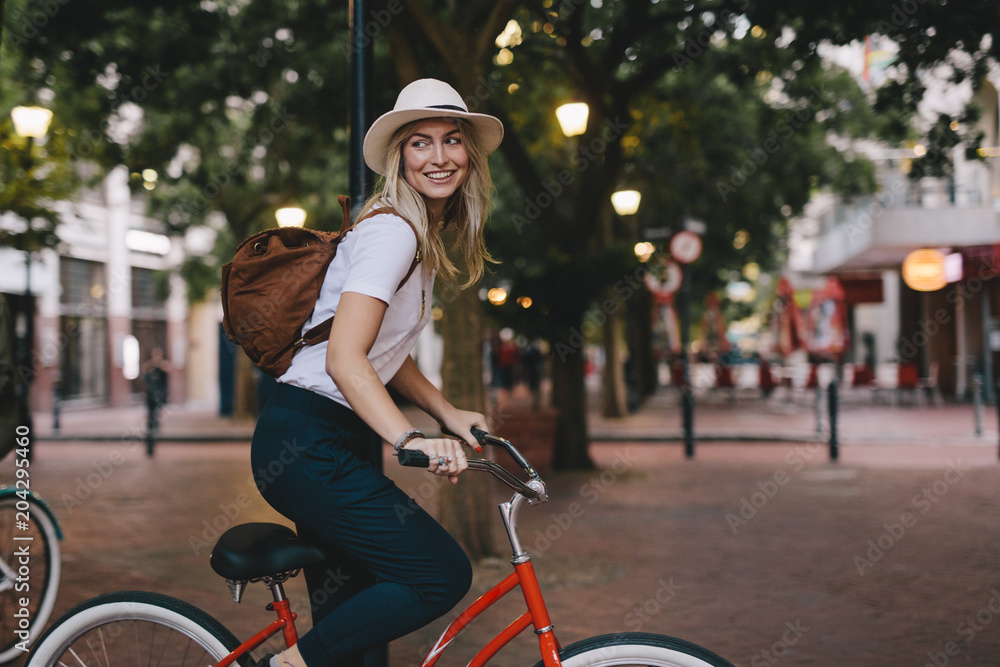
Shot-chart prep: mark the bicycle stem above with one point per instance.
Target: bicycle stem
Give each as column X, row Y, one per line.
column 509, row 512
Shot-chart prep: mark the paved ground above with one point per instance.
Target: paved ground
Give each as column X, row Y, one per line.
column 764, row 552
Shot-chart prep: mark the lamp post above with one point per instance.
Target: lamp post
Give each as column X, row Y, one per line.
column 626, row 205
column 31, row 123
column 685, row 247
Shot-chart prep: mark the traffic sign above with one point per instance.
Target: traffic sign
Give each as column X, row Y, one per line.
column 685, row 246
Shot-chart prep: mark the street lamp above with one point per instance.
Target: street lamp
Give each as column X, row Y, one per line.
column 290, row 216
column 497, row 296
column 644, row 250
column 31, row 123
column 626, row 202
column 572, row 118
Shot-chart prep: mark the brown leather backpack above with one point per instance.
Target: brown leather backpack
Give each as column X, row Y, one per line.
column 270, row 289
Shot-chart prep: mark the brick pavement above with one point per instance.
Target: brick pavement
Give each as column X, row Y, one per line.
column 766, row 553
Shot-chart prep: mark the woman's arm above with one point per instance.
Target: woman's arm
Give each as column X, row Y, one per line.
column 414, row 386
column 352, row 335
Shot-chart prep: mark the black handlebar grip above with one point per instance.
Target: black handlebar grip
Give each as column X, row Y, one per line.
column 479, row 434
column 413, row 458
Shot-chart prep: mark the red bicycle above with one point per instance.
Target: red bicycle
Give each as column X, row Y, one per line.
column 138, row 628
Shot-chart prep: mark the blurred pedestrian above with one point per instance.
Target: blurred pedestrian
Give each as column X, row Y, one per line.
column 155, row 375
column 531, row 368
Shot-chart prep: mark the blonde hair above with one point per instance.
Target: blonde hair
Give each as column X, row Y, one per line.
column 467, row 208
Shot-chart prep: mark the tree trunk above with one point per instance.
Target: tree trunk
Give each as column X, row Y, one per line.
column 615, row 404
column 467, row 507
column 569, row 397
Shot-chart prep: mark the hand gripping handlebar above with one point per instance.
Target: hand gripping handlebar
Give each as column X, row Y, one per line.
column 417, row 459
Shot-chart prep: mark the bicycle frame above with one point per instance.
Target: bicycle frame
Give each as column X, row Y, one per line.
column 284, row 623
column 537, row 614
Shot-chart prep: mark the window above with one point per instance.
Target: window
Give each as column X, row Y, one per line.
column 84, row 289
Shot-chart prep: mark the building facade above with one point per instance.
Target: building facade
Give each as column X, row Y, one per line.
column 101, row 303
column 951, row 334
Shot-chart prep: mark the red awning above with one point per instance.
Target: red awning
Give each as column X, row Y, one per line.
column 861, row 290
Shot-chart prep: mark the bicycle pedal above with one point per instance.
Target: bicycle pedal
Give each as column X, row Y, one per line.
column 236, row 588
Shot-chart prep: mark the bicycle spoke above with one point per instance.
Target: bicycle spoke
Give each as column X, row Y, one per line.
column 75, row 655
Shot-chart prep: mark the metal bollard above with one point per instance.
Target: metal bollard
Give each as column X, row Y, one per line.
column 997, row 395
column 56, row 407
column 687, row 396
column 833, row 407
column 977, row 402
column 818, row 409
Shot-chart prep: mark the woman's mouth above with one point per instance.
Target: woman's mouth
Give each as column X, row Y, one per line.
column 439, row 176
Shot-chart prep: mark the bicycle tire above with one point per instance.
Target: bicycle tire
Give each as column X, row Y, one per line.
column 41, row 585
column 134, row 628
column 637, row 648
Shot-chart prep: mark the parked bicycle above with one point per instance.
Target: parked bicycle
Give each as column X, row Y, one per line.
column 138, row 628
column 29, row 569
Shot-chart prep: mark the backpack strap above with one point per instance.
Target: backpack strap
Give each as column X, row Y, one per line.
column 321, row 331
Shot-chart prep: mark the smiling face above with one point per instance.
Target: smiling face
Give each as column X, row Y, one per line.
column 435, row 162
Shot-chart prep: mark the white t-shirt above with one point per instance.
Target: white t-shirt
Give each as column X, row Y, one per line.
column 372, row 259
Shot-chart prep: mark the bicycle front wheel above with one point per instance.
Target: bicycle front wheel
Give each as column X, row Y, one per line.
column 637, row 648
column 136, row 629
column 29, row 573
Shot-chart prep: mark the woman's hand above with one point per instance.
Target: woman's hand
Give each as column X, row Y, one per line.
column 446, row 455
column 461, row 422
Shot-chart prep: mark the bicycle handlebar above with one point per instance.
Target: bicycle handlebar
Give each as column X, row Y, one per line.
column 417, row 459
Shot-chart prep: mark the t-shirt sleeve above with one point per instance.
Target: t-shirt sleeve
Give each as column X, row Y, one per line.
column 382, row 252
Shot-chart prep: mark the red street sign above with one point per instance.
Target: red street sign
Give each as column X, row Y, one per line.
column 685, row 246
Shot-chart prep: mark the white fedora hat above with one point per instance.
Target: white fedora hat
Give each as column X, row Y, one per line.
column 426, row 98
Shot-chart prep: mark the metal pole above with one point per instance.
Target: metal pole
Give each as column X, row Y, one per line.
column 360, row 108
column 987, row 327
column 360, row 186
column 997, row 395
column 977, row 402
column 818, row 407
column 687, row 395
column 56, row 406
column 27, row 363
column 833, row 407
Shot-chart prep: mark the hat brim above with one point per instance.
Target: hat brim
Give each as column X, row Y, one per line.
column 488, row 128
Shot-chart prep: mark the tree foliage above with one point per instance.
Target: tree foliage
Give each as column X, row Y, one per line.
column 721, row 111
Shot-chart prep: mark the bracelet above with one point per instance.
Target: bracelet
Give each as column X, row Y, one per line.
column 412, row 434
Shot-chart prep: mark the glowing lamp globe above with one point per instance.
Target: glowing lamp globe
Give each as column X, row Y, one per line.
column 291, row 216
column 572, row 118
column 626, row 202
column 31, row 121
column 924, row 270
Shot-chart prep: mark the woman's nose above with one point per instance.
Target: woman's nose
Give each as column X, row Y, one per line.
column 438, row 154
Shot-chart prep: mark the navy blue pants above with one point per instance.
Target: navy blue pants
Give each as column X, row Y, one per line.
column 392, row 568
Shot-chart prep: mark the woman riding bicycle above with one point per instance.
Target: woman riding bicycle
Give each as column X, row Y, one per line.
column 404, row 570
